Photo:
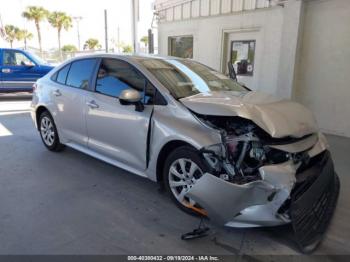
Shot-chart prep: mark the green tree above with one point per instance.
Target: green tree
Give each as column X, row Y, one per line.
column 144, row 40
column 69, row 48
column 36, row 14
column 11, row 32
column 60, row 20
column 92, row 44
column 127, row 49
column 24, row 35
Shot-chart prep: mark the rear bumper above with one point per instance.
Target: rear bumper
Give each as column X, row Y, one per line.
column 313, row 202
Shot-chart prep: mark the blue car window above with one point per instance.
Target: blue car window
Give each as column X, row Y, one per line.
column 115, row 75
column 80, row 72
column 62, row 75
column 16, row 58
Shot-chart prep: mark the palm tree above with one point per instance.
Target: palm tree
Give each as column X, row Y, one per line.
column 11, row 32
column 36, row 14
column 69, row 48
column 24, row 35
column 127, row 49
column 144, row 40
column 91, row 44
column 60, row 20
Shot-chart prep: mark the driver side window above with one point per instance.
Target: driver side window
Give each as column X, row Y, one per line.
column 15, row 58
column 115, row 75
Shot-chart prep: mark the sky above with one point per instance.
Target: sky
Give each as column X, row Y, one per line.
column 91, row 26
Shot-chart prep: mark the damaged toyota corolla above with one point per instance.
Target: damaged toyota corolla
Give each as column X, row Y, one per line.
column 243, row 158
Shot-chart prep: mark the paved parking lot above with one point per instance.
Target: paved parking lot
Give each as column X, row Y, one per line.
column 70, row 203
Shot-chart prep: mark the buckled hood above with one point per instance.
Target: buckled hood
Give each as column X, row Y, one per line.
column 278, row 117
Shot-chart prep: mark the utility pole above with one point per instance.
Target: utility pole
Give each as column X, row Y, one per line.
column 2, row 29
column 118, row 39
column 134, row 21
column 150, row 42
column 77, row 20
column 106, row 31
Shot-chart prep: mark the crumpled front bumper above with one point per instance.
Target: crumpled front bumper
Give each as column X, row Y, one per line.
column 313, row 202
column 305, row 197
column 249, row 205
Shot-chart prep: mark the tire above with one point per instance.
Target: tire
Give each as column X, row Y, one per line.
column 48, row 132
column 176, row 184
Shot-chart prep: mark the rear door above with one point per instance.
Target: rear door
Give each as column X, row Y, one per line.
column 69, row 91
column 18, row 71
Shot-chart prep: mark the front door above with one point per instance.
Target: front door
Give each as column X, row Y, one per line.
column 18, row 71
column 118, row 131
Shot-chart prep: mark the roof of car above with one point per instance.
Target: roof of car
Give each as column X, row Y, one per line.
column 14, row 49
column 130, row 56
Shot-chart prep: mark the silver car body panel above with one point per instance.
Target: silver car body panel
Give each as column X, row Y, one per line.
column 173, row 122
column 279, row 118
column 249, row 205
column 245, row 205
column 298, row 146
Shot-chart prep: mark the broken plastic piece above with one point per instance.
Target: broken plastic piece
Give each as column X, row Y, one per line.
column 201, row 231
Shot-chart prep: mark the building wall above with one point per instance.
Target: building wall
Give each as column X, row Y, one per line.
column 209, row 42
column 323, row 75
column 302, row 52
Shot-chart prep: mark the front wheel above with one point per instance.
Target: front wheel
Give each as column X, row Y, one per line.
column 183, row 167
column 48, row 132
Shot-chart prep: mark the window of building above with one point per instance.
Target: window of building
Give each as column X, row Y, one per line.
column 115, row 75
column 80, row 73
column 15, row 58
column 181, row 46
column 243, row 56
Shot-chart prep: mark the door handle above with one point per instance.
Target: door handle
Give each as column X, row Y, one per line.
column 6, row 70
column 57, row 92
column 92, row 104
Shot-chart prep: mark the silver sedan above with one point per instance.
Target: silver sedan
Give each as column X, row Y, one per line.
column 242, row 158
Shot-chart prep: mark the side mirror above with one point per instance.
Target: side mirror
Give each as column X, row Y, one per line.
column 131, row 97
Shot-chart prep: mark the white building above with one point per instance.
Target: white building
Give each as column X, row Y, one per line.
column 297, row 49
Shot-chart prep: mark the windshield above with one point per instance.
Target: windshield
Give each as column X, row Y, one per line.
column 37, row 59
column 185, row 78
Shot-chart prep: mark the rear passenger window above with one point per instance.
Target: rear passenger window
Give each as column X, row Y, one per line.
column 62, row 75
column 80, row 73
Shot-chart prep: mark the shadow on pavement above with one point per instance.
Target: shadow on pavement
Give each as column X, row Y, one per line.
column 15, row 96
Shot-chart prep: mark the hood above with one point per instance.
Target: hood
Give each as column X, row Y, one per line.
column 46, row 68
column 279, row 118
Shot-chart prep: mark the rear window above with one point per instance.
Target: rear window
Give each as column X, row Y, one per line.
column 80, row 73
column 62, row 75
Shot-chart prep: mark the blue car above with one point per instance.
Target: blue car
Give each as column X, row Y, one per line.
column 20, row 69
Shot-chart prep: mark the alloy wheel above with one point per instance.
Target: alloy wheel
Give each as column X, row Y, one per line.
column 183, row 174
column 47, row 131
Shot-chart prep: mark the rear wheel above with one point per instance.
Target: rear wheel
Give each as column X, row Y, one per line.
column 183, row 167
column 48, row 132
